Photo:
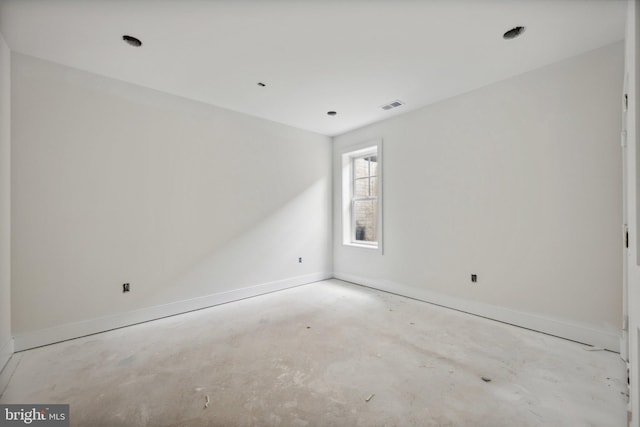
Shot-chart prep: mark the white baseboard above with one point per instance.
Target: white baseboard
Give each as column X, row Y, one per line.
column 6, row 351
column 583, row 333
column 574, row 331
column 27, row 340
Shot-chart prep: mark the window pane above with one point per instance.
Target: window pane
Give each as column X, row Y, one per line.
column 365, row 213
column 361, row 188
column 374, row 186
column 360, row 168
column 374, row 165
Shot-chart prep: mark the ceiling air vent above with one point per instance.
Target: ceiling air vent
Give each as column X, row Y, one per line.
column 392, row 105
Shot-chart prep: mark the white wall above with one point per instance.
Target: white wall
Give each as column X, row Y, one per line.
column 193, row 205
column 632, row 77
column 6, row 343
column 518, row 182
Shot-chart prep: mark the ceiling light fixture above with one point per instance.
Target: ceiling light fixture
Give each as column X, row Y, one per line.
column 132, row 40
column 513, row 33
column 331, row 113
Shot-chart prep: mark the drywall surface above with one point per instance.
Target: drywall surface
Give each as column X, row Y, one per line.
column 6, row 346
column 114, row 183
column 518, row 182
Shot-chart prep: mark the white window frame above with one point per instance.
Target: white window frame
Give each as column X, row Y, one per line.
column 348, row 155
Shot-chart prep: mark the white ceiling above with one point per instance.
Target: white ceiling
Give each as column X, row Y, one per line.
column 314, row 56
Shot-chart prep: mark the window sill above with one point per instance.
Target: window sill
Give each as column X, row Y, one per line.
column 359, row 245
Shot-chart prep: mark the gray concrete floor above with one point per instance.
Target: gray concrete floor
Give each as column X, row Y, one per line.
column 312, row 356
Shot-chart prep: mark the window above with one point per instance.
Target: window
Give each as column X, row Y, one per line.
column 361, row 188
column 364, row 202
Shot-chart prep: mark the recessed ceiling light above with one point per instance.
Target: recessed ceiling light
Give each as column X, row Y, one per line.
column 132, row 40
column 513, row 33
column 331, row 113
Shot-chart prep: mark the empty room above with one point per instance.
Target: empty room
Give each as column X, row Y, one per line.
column 319, row 213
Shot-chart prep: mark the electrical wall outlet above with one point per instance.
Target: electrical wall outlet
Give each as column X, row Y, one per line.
column 474, row 278
column 126, row 287
column 300, row 260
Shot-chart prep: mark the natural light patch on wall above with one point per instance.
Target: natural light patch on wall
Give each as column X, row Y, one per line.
column 114, row 183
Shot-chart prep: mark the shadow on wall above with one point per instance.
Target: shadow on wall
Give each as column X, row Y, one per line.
column 269, row 249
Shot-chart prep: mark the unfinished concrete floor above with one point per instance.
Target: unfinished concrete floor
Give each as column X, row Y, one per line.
column 312, row 356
